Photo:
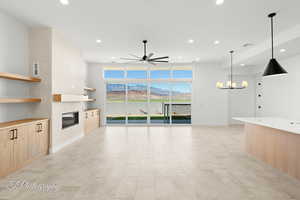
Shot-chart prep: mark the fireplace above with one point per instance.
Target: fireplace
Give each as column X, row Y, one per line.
column 70, row 119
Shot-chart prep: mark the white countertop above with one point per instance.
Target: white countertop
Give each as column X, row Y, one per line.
column 277, row 123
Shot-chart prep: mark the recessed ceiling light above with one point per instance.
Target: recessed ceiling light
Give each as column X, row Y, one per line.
column 179, row 57
column 113, row 57
column 219, row 2
column 217, row 42
column 191, row 41
column 98, row 41
column 65, row 2
column 197, row 59
column 282, row 50
column 242, row 64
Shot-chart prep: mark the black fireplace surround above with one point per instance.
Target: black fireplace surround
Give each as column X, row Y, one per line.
column 70, row 119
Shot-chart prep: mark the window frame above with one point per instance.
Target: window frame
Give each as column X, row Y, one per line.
column 148, row 82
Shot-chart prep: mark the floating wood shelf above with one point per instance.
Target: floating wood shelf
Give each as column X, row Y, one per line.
column 90, row 89
column 18, row 77
column 71, row 98
column 20, row 100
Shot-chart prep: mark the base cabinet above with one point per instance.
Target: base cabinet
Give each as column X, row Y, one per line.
column 6, row 152
column 91, row 120
column 279, row 149
column 21, row 143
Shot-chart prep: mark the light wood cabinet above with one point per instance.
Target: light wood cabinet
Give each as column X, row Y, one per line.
column 278, row 148
column 6, row 151
column 39, row 139
column 91, row 120
column 21, row 146
column 22, row 142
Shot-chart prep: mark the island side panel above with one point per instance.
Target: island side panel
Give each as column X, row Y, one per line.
column 278, row 148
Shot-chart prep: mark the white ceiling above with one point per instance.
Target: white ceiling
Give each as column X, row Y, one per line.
column 167, row 24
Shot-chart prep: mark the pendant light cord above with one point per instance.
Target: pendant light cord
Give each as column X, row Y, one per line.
column 272, row 36
column 231, row 75
column 272, row 15
column 145, row 51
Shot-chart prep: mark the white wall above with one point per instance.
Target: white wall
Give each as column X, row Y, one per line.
column 40, row 44
column 281, row 94
column 242, row 103
column 95, row 80
column 13, row 59
column 68, row 77
column 209, row 104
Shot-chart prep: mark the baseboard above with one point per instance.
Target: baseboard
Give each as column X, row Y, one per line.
column 61, row 146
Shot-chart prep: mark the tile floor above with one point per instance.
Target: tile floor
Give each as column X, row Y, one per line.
column 154, row 163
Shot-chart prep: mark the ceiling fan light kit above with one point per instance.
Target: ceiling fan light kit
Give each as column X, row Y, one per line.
column 273, row 68
column 231, row 85
column 147, row 58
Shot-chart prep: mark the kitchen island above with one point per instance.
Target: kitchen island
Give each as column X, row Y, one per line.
column 275, row 141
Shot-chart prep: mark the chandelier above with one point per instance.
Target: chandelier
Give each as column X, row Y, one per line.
column 230, row 85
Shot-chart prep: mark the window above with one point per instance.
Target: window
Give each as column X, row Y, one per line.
column 114, row 74
column 181, row 103
column 136, row 74
column 159, row 97
column 160, row 74
column 163, row 97
column 137, row 107
column 115, row 103
column 115, row 92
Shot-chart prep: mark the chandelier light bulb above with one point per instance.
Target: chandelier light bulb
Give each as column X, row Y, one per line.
column 234, row 85
column 228, row 83
column 245, row 84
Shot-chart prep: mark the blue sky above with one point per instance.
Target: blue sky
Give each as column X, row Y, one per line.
column 157, row 74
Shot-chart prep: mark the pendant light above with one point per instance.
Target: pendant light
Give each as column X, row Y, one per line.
column 230, row 84
column 273, row 68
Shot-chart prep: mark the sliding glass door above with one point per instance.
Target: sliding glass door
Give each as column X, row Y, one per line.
column 159, row 97
column 148, row 96
column 181, row 103
column 137, row 103
column 115, row 103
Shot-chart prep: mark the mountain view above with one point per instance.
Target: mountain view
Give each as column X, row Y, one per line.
column 138, row 92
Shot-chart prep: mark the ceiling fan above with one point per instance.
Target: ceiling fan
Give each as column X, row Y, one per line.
column 147, row 58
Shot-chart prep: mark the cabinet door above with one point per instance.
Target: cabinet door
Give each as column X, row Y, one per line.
column 98, row 118
column 21, row 154
column 86, row 119
column 34, row 140
column 6, row 152
column 44, row 138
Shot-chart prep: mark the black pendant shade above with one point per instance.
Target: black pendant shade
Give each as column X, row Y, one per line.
column 273, row 68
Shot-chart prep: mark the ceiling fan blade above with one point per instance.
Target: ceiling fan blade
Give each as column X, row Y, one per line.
column 130, row 59
column 159, row 58
column 150, row 55
column 160, row 61
column 135, row 56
